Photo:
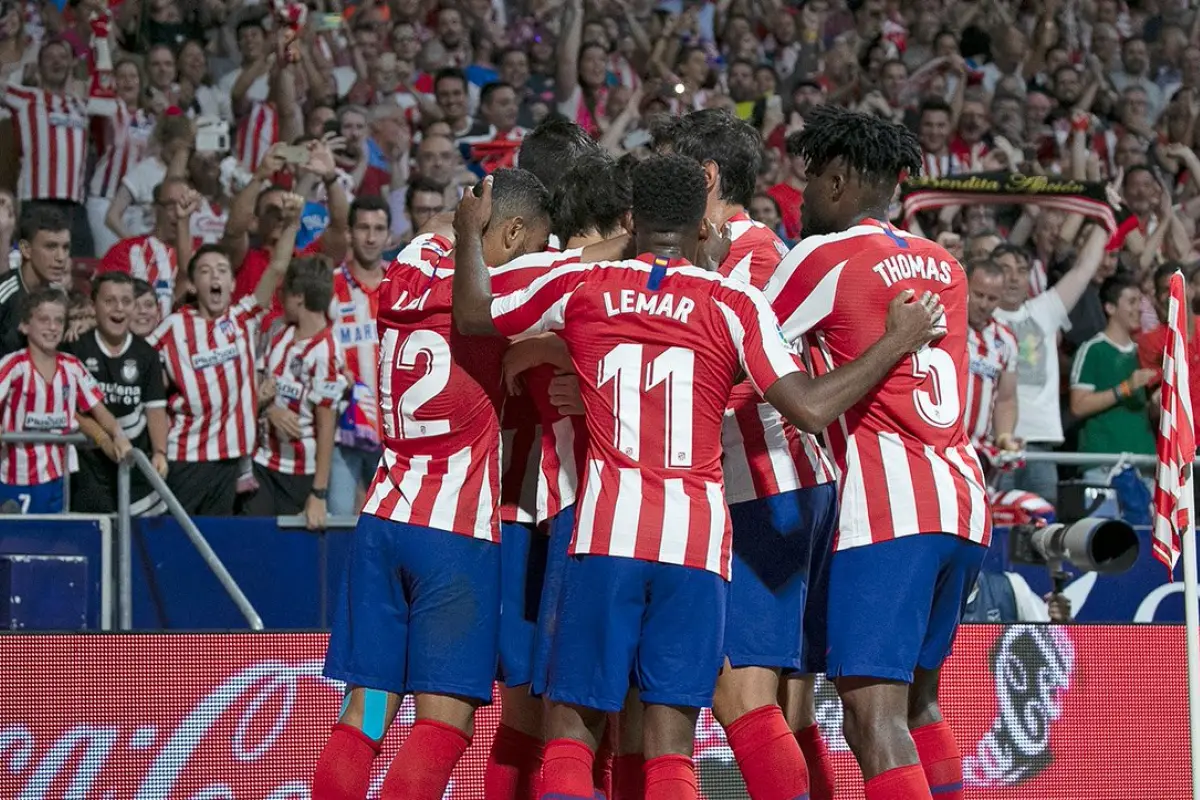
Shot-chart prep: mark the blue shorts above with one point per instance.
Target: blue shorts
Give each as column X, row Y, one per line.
column 419, row 612
column 522, row 570
column 660, row 623
column 40, row 498
column 776, row 541
column 895, row 606
column 562, row 528
column 816, row 601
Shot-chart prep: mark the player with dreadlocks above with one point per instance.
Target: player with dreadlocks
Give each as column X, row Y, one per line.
column 905, row 463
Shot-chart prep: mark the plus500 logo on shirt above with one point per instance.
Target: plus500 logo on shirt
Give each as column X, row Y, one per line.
column 46, row 422
column 212, row 358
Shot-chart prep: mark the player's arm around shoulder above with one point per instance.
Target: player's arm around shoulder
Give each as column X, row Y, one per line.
column 811, row 404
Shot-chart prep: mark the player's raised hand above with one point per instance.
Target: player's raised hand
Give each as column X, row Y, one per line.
column 914, row 324
column 474, row 210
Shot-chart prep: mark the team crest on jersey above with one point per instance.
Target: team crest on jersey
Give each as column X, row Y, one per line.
column 227, row 327
column 129, row 371
column 296, row 366
column 92, row 364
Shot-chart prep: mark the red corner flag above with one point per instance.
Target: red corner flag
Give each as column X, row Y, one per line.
column 1176, row 435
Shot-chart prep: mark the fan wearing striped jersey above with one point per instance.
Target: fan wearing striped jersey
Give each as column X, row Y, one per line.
column 783, row 509
column 990, row 405
column 914, row 522
column 419, row 611
column 644, row 596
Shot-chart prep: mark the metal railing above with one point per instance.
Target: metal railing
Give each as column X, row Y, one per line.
column 125, row 527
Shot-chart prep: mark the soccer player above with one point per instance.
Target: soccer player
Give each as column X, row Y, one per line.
column 657, row 345
column 208, row 353
column 420, row 610
column 129, row 374
column 906, row 465
column 42, row 391
column 782, row 506
column 301, row 370
column 589, row 204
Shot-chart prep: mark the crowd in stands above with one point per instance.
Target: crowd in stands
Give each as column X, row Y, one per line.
column 229, row 138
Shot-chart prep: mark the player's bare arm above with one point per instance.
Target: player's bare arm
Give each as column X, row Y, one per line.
column 525, row 354
column 811, row 404
column 472, row 284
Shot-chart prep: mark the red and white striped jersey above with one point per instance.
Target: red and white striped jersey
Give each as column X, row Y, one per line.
column 354, row 311
column 520, row 454
column 657, row 345
column 440, row 397
column 210, row 368
column 256, row 132
column 940, row 166
column 52, row 133
column 993, row 351
column 765, row 455
column 149, row 258
column 906, row 464
column 30, row 403
column 547, row 483
column 308, row 375
column 122, row 140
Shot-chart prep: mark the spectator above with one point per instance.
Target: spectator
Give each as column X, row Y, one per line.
column 208, row 352
column 132, row 211
column 1135, row 71
column 493, row 140
column 990, row 410
column 45, row 246
column 423, row 200
column 1152, row 344
column 147, row 313
column 789, row 194
column 51, row 127
column 43, row 391
column 450, row 90
column 368, row 176
column 1109, row 391
column 1036, row 322
column 301, row 384
column 123, row 141
column 354, row 312
column 155, row 256
column 129, row 375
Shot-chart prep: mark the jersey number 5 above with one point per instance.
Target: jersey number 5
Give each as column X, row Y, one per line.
column 938, row 404
column 673, row 367
column 421, row 349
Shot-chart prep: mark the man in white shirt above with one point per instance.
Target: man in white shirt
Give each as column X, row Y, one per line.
column 1036, row 322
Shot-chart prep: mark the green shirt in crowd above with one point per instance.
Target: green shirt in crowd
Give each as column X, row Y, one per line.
column 1100, row 365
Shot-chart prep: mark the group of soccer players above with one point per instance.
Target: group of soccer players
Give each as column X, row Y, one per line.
column 607, row 399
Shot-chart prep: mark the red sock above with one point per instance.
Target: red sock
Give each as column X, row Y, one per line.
column 821, row 777
column 901, row 783
column 940, row 759
column 602, row 770
column 421, row 769
column 512, row 766
column 344, row 768
column 671, row 778
column 629, row 777
column 567, row 770
column 768, row 755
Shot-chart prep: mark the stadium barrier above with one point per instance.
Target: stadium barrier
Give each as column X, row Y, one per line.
column 124, row 576
column 1041, row 713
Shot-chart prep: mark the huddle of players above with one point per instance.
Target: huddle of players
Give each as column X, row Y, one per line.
column 701, row 360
